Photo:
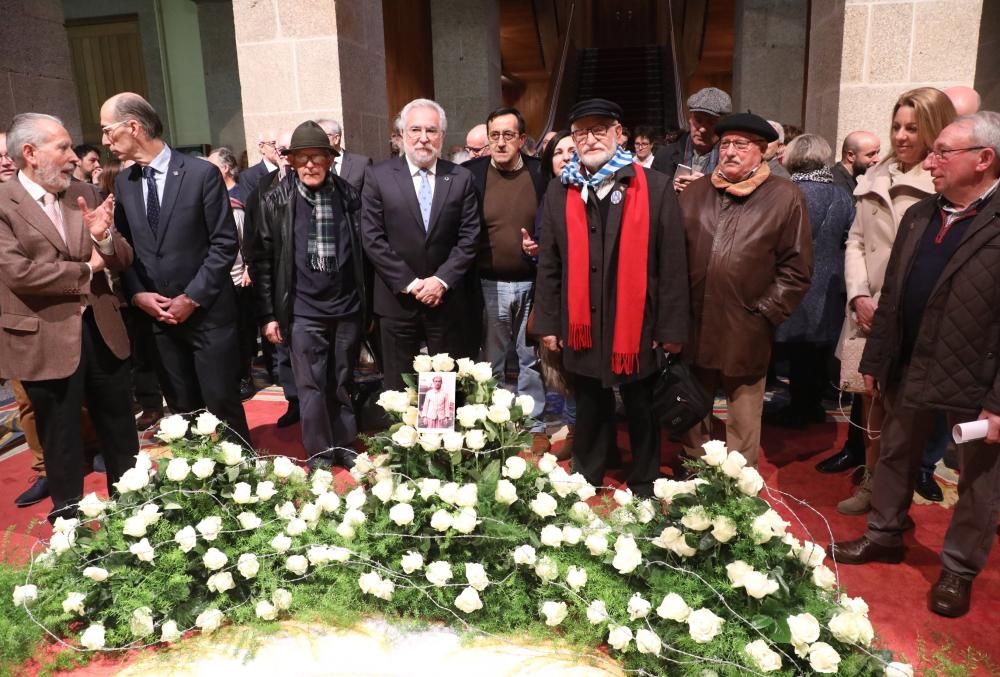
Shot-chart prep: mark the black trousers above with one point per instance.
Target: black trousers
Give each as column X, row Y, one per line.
column 201, row 364
column 246, row 330
column 101, row 381
column 808, row 375
column 401, row 339
column 596, row 436
column 145, row 361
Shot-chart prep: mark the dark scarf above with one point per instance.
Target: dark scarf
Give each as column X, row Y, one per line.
column 322, row 244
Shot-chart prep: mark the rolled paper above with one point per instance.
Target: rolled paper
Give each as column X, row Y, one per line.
column 968, row 432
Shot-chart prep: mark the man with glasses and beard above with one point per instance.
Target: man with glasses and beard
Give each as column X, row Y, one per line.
column 611, row 289
column 420, row 225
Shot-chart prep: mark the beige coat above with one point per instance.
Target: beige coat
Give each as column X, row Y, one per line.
column 883, row 195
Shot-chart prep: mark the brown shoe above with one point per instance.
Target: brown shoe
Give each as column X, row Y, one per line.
column 148, row 419
column 565, row 450
column 950, row 596
column 862, row 551
column 539, row 444
column 861, row 501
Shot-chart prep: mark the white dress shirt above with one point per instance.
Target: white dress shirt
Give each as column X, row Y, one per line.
column 415, row 175
column 161, row 163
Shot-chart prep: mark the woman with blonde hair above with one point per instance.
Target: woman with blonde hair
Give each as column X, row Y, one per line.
column 883, row 195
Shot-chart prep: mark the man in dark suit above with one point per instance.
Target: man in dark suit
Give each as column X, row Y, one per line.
column 175, row 213
column 420, row 226
column 61, row 333
column 348, row 166
column 267, row 146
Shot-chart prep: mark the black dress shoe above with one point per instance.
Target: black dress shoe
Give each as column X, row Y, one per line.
column 319, row 463
column 863, row 551
column 247, row 391
column 950, row 596
column 846, row 459
column 36, row 493
column 928, row 488
column 346, row 458
column 291, row 416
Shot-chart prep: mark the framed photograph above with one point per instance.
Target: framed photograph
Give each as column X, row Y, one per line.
column 436, row 402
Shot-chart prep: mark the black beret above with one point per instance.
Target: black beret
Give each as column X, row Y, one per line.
column 599, row 107
column 747, row 122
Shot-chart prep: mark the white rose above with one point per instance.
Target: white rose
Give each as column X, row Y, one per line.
column 453, row 440
column 210, row 527
column 638, row 607
column 482, row 372
column 767, row 526
column 503, row 398
column 623, row 496
column 703, row 625
column 546, row 569
column 178, row 469
column 309, row 513
column 696, row 519
column 265, row 490
column 733, row 464
column 597, row 612
column 92, row 506
column 896, row 669
column 328, row 503
column 61, row 542
column 576, row 578
column 172, row 428
column 551, row 536
column 571, row 535
column 673, row 539
column 93, row 637
column 169, row 632
column 766, row 659
column 354, row 518
column 465, row 366
column 282, row 467
column 96, row 574
column 231, row 454
column 811, row 554
column 318, row 555
column 645, row 512
column 214, row 559
column 561, row 483
column 243, row 493
column 715, row 452
column 468, row 601
column 758, row 585
column 514, row 467
column 221, row 582
column 297, row 564
column 406, row 436
column 524, row 554
column 132, row 479
column 209, row 620
column 467, row 416
column 544, row 505
column 584, row 490
column 464, row 521
column 647, row 641
column 467, row 496
column 438, row 573
column 526, row 403
column 203, row 468
column 430, row 441
column 281, row 542
column 723, row 529
column 134, row 526
column 441, row 520
column 476, row 575
column 804, row 629
column 554, row 612
column 401, row 514
column 428, row 487
column 206, row 423
column 442, row 362
column 383, row 490
column 248, row 520
column 186, row 538
column 855, row 604
column 547, row 463
column 852, row 628
column 282, row 599
column 673, row 608
column 322, row 480
column 619, row 637
column 25, row 594
column 597, row 544
column 74, row 603
column 143, row 550
column 823, row 578
column 393, row 400
column 286, row 511
column 422, row 363
column 505, row 493
column 626, row 561
column 265, row 610
column 247, row 565
column 749, row 482
column 475, row 439
column 823, row 658
column 355, row 498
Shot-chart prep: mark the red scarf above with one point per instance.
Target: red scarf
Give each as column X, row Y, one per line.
column 630, row 295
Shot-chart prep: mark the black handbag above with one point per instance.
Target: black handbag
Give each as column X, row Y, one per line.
column 679, row 400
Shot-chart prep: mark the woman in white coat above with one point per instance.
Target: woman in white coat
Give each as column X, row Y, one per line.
column 884, row 193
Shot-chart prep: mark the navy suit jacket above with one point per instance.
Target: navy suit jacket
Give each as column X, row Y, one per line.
column 399, row 247
column 352, row 169
column 196, row 242
column 250, row 176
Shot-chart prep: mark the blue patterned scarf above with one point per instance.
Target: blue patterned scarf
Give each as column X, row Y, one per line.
column 572, row 174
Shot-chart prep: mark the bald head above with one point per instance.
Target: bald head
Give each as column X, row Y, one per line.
column 966, row 100
column 476, row 142
column 860, row 151
column 131, row 106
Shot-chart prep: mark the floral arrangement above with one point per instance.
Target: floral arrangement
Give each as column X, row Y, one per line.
column 456, row 527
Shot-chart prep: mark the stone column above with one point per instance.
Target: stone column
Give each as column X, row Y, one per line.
column 466, row 37
column 36, row 75
column 306, row 59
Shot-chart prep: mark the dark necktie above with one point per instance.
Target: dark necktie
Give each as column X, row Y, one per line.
column 152, row 200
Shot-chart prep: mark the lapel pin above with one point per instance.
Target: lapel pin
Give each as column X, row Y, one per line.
column 447, row 178
column 176, row 173
column 616, row 197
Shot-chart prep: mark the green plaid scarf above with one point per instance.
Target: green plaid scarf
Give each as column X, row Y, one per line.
column 322, row 244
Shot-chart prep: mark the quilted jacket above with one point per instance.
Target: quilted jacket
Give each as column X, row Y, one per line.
column 954, row 361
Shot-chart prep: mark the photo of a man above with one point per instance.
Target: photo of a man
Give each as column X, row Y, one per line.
column 437, row 401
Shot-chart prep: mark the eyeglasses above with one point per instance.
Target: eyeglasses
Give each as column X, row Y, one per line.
column 273, row 144
column 739, row 144
column 417, row 132
column 5, row 157
column 107, row 129
column 507, row 135
column 476, row 149
column 941, row 154
column 303, row 160
column 642, row 144
column 599, row 132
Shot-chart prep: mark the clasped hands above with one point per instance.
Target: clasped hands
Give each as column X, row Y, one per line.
column 428, row 290
column 165, row 309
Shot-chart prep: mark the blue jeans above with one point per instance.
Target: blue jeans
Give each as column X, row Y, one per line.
column 507, row 306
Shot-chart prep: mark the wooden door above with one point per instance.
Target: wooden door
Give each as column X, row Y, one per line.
column 624, row 23
column 107, row 59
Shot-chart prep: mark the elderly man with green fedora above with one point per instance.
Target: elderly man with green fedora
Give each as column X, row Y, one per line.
column 309, row 278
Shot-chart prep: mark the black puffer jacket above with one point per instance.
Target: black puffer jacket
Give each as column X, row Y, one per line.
column 272, row 252
column 954, row 362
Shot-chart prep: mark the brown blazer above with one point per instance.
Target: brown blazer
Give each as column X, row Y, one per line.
column 44, row 282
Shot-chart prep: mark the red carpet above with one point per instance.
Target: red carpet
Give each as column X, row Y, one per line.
column 896, row 593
